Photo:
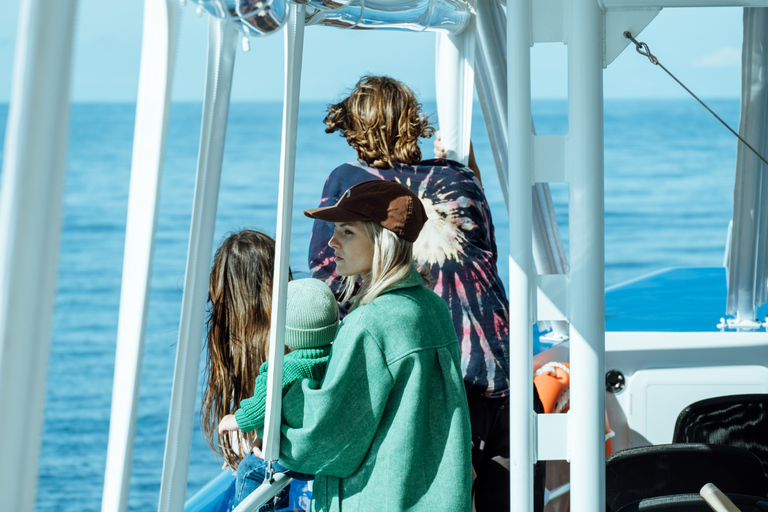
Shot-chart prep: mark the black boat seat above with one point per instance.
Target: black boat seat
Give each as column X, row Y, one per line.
column 662, row 470
column 734, row 420
column 693, row 503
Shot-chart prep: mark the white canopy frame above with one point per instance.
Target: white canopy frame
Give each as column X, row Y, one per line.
column 580, row 156
column 294, row 49
column 748, row 254
column 222, row 48
column 158, row 50
column 30, row 228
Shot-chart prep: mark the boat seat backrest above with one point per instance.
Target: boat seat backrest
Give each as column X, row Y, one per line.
column 692, row 503
column 663, row 470
column 735, row 420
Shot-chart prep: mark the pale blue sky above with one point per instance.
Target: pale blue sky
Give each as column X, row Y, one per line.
column 701, row 46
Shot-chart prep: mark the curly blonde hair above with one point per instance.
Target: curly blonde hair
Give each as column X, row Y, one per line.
column 382, row 120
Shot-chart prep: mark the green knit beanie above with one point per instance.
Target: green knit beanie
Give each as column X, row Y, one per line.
column 312, row 315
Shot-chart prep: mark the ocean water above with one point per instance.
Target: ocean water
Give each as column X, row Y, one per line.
column 669, row 170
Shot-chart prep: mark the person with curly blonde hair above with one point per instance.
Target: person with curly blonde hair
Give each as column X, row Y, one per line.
column 382, row 121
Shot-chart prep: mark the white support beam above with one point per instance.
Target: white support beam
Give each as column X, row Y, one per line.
column 552, row 437
column 34, row 165
column 294, row 52
column 549, row 158
column 222, row 48
column 551, row 297
column 521, row 276
column 587, row 263
column 548, row 21
column 158, row 49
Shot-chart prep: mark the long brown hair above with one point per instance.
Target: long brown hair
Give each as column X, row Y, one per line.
column 382, row 120
column 240, row 306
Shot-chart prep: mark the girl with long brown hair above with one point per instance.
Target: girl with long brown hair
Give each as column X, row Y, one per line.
column 240, row 306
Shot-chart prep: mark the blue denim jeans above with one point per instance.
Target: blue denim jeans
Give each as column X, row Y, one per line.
column 251, row 473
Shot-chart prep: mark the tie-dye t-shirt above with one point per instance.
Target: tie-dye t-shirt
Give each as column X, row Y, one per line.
column 459, row 247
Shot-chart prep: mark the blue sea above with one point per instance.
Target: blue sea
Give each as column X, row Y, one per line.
column 669, row 171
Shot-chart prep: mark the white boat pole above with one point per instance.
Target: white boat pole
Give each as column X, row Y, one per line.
column 158, row 49
column 294, row 48
column 34, row 165
column 454, row 76
column 747, row 267
column 222, row 47
column 584, row 169
column 522, row 280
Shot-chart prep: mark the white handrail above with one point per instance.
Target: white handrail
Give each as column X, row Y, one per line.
column 158, row 51
column 263, row 493
column 294, row 47
column 222, row 47
column 34, row 164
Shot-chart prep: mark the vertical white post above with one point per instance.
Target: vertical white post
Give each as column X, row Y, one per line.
column 294, row 49
column 455, row 76
column 747, row 255
column 584, row 157
column 222, row 48
column 522, row 281
column 158, row 50
column 34, row 165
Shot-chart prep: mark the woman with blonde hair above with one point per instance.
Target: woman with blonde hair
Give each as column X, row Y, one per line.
column 388, row 427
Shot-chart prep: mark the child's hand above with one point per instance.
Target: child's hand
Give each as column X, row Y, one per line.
column 438, row 147
column 257, row 448
column 228, row 424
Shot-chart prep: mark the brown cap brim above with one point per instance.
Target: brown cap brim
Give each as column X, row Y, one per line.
column 387, row 203
column 335, row 214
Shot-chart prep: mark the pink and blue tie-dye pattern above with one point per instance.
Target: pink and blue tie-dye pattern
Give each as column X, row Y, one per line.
column 459, row 248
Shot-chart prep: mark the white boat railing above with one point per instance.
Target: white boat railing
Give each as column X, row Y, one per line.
column 263, row 493
column 294, row 50
column 34, row 165
column 158, row 50
column 748, row 254
column 222, row 48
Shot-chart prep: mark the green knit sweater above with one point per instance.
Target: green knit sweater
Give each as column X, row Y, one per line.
column 388, row 427
column 307, row 363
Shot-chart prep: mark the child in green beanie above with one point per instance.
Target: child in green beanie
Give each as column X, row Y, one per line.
column 312, row 318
